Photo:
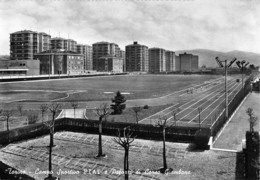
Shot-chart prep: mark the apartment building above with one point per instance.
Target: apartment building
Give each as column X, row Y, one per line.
column 24, row 44
column 86, row 50
column 136, row 58
column 101, row 49
column 157, row 60
column 187, row 62
column 122, row 55
column 63, row 44
column 170, row 61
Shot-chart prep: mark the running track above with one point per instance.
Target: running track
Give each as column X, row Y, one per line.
column 210, row 98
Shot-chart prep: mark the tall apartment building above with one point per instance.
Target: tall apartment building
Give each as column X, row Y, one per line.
column 122, row 55
column 177, row 63
column 24, row 44
column 157, row 60
column 136, row 57
column 170, row 61
column 64, row 44
column 188, row 62
column 101, row 49
column 44, row 41
column 88, row 57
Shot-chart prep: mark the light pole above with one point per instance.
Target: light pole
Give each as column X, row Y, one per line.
column 242, row 65
column 199, row 109
column 226, row 66
column 74, row 105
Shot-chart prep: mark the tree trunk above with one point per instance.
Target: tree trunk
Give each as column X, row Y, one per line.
column 7, row 128
column 164, row 151
column 42, row 117
column 50, row 152
column 126, row 163
column 100, row 137
column 52, row 130
column 199, row 120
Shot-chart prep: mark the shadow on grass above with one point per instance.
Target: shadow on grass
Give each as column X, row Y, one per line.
column 240, row 166
column 193, row 148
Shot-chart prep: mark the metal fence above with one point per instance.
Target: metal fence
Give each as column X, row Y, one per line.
column 233, row 104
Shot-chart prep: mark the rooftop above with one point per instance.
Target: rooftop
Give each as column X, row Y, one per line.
column 29, row 31
column 135, row 43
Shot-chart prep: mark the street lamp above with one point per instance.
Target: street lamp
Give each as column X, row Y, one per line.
column 226, row 66
column 241, row 65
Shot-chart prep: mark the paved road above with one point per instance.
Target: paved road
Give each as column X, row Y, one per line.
column 232, row 135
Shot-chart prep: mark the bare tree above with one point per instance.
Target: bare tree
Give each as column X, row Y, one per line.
column 7, row 114
column 74, row 105
column 162, row 124
column 252, row 119
column 43, row 108
column 103, row 111
column 199, row 110
column 125, row 143
column 20, row 109
column 136, row 111
column 53, row 108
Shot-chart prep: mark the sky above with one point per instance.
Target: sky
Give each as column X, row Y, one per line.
column 221, row 25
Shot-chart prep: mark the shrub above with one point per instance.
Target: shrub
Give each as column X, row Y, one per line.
column 146, row 106
column 32, row 118
column 201, row 138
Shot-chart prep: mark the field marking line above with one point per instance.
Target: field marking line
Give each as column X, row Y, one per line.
column 221, row 95
column 190, row 87
column 230, row 119
column 198, row 100
column 225, row 150
column 222, row 102
column 61, row 113
column 37, row 90
column 159, row 112
column 42, row 80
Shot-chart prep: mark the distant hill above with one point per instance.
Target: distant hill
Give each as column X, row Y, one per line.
column 207, row 57
column 4, row 57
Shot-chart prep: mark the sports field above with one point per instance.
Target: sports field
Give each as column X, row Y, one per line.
column 98, row 88
column 183, row 93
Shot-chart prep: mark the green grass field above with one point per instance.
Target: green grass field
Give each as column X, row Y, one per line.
column 99, row 88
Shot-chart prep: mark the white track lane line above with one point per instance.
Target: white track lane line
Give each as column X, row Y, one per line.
column 207, row 100
column 220, row 88
column 191, row 87
column 222, row 95
column 239, row 86
column 196, row 101
column 158, row 112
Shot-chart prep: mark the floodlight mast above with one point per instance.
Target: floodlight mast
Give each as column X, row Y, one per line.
column 241, row 65
column 226, row 89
